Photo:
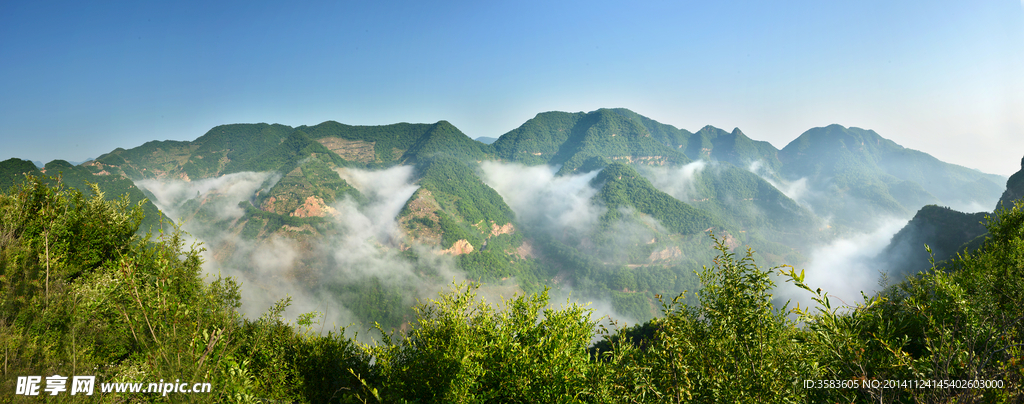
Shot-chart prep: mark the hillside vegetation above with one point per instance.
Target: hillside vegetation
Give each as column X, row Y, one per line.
column 82, row 293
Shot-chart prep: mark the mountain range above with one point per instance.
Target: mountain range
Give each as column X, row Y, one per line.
column 609, row 204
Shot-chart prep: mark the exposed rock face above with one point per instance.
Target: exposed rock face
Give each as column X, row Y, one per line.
column 460, row 247
column 313, row 207
column 422, row 224
column 665, row 254
column 352, row 150
column 498, row 230
column 525, row 250
column 269, row 205
column 730, row 241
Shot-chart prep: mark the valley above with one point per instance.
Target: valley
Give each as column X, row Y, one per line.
column 607, row 207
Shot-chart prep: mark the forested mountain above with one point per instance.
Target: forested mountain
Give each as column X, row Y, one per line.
column 584, row 142
column 945, row 231
column 84, row 294
column 861, row 175
column 1014, row 189
column 14, row 171
column 327, row 198
column 357, row 224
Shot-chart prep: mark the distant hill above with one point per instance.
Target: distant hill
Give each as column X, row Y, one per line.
column 240, row 147
column 861, row 175
column 584, row 142
column 486, row 140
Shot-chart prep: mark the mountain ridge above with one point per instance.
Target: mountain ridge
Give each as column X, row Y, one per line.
column 654, row 191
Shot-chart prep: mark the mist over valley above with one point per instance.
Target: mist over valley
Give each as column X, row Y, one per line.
column 607, row 207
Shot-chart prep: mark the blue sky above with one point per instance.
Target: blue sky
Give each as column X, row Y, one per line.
column 78, row 79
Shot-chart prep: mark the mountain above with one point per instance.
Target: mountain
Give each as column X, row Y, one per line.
column 13, row 171
column 1014, row 189
column 621, row 186
column 234, row 148
column 486, row 140
column 387, row 145
column 864, row 176
column 946, row 231
column 743, row 200
column 367, row 213
column 734, row 147
column 456, row 212
column 583, row 142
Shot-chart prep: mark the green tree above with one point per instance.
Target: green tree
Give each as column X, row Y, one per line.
column 461, row 349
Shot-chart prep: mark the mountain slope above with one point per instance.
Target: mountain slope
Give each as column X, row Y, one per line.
column 734, row 147
column 445, row 140
column 946, row 231
column 454, row 211
column 209, row 155
column 13, row 171
column 1014, row 189
column 864, row 176
column 584, row 142
column 622, row 187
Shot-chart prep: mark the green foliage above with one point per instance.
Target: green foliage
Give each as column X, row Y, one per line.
column 585, row 141
column 389, row 141
column 734, row 347
column 445, row 140
column 961, row 321
column 14, row 171
column 82, row 293
column 621, row 186
column 296, row 150
column 296, row 362
column 461, row 349
column 469, row 207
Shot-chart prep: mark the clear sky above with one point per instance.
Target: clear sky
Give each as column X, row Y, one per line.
column 78, row 79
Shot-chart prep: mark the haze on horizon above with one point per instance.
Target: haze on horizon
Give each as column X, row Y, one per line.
column 80, row 80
